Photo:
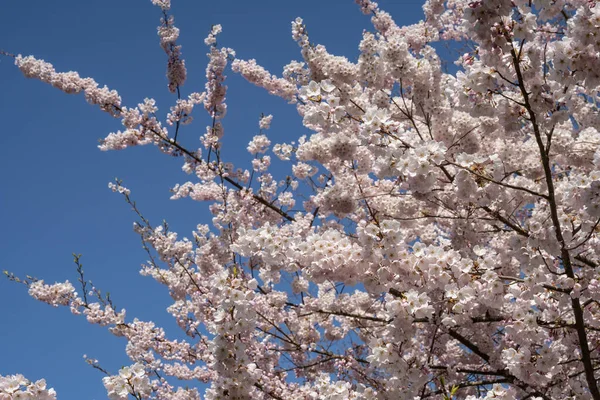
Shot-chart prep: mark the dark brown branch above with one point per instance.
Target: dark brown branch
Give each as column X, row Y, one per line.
column 468, row 344
column 271, row 394
column 349, row 315
column 471, row 384
column 566, row 257
column 472, row 371
column 6, row 53
column 226, row 178
column 524, row 189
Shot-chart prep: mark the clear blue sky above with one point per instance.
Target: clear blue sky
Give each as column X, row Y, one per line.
column 54, row 198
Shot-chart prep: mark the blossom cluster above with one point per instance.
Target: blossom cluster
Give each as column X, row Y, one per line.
column 70, row 82
column 168, row 34
column 13, row 387
column 131, row 380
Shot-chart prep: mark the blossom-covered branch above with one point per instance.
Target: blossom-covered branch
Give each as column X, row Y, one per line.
column 435, row 235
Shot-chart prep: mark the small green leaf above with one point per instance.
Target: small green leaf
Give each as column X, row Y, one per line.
column 454, row 390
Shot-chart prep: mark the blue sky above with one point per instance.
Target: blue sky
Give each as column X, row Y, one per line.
column 54, row 198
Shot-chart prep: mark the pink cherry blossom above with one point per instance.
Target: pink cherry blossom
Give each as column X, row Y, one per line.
column 434, row 236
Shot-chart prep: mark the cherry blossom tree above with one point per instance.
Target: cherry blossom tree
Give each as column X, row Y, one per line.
column 440, row 231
